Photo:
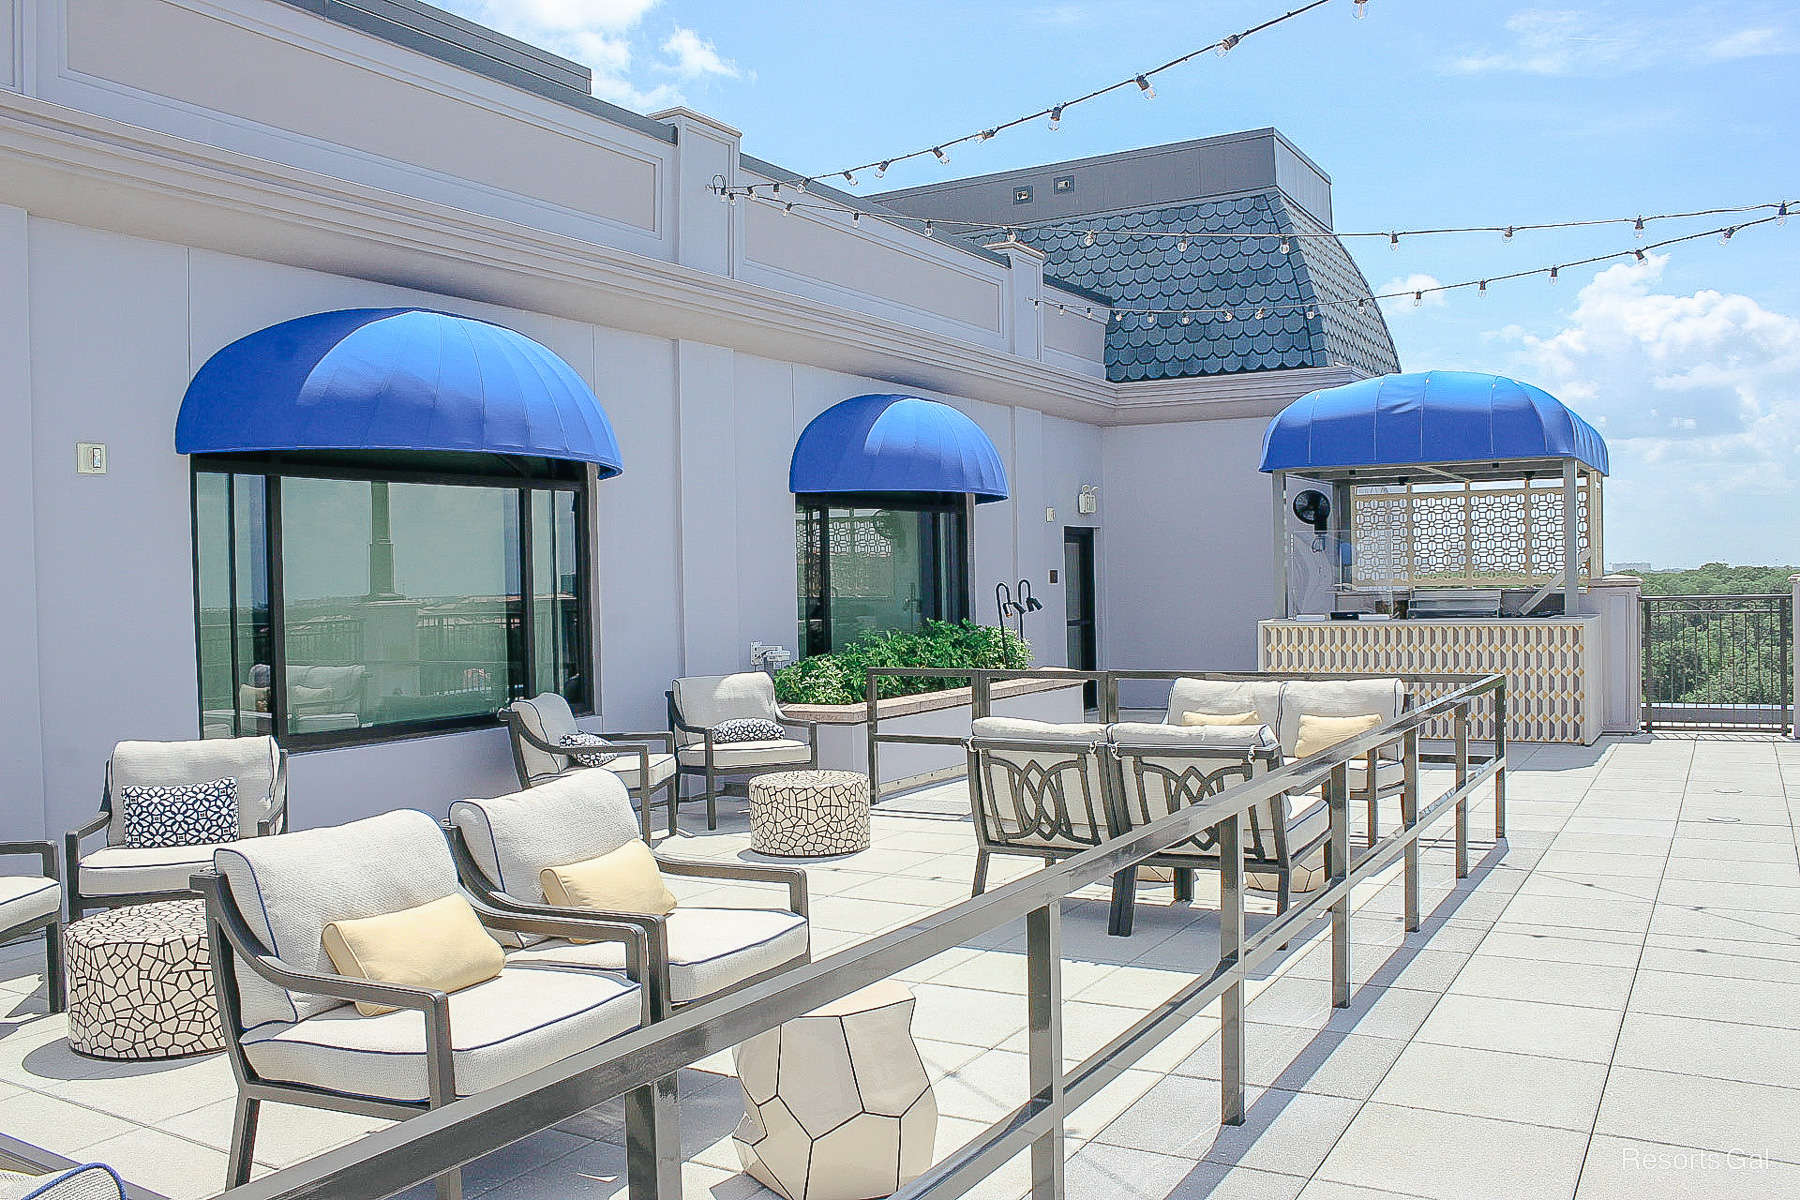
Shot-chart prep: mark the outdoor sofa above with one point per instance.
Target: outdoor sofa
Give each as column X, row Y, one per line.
column 121, row 873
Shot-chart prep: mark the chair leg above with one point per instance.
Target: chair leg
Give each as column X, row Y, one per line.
column 644, row 794
column 243, row 1141
column 674, row 790
column 653, row 1142
column 1374, row 818
column 1124, row 903
column 55, row 980
column 1283, row 890
column 981, row 868
column 712, row 799
column 1184, row 885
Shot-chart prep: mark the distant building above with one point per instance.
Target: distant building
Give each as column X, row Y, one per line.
column 1627, row 568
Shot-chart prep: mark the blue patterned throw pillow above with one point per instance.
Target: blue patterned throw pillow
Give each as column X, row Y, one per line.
column 745, row 729
column 592, row 759
column 182, row 814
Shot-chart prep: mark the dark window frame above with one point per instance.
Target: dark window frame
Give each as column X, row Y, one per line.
column 813, row 506
column 525, row 477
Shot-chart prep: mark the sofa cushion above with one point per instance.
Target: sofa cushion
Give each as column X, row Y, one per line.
column 588, row 749
column 27, row 898
column 439, row 944
column 1316, row 733
column 499, row 1030
column 623, row 880
column 180, row 814
column 707, row 701
column 249, row 760
column 570, row 819
column 628, row 767
column 90, row 1181
column 746, row 729
column 289, row 888
column 741, row 755
column 1335, row 698
column 1226, row 696
column 1247, row 717
column 709, row 948
column 128, row 870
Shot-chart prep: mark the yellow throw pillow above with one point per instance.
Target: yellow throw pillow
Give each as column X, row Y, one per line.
column 1318, row 733
column 1212, row 718
column 626, row 880
column 439, row 945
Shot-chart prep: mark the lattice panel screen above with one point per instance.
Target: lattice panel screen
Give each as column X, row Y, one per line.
column 1469, row 536
column 1551, row 694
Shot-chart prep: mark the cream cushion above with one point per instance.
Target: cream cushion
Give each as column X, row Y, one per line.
column 129, row 870
column 735, row 755
column 624, row 880
column 627, row 767
column 439, row 945
column 289, row 888
column 1321, row 733
column 27, row 898
column 1388, row 775
column 1226, row 696
column 1072, row 760
column 1250, row 717
column 547, row 716
column 708, row 700
column 1335, row 698
column 524, row 1018
column 249, row 760
column 710, row 949
column 89, row 1182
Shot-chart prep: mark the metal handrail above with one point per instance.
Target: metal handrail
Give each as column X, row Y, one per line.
column 462, row 1132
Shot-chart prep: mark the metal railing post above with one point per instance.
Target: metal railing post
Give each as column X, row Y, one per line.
column 1500, row 757
column 1460, row 723
column 870, row 699
column 1409, row 819
column 1109, row 698
column 1231, row 946
column 1043, row 967
column 653, row 1141
column 1337, row 867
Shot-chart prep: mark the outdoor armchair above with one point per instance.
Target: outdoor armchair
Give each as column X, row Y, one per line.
column 293, row 1032
column 695, row 952
column 119, row 873
column 644, row 762
column 1165, row 768
column 699, row 705
column 31, row 904
column 1036, row 789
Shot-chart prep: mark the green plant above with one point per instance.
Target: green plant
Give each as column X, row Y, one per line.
column 842, row 677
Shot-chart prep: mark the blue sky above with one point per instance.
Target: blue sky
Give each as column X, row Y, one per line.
column 1427, row 112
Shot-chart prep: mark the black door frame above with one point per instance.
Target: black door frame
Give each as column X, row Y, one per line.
column 1088, row 624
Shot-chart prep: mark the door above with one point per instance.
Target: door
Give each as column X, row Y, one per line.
column 1078, row 602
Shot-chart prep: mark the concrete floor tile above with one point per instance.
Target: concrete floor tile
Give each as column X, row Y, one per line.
column 1324, row 1062
column 1635, row 1169
column 1720, row 1049
column 1522, row 1027
column 1586, row 985
column 1448, row 1156
column 1561, row 1093
column 1746, row 1001
column 1713, row 1114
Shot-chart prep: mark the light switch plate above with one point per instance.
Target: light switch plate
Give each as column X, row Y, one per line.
column 90, row 458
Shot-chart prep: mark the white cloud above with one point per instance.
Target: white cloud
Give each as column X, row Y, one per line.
column 692, row 56
column 604, row 36
column 1415, row 283
column 1583, row 42
column 1698, row 397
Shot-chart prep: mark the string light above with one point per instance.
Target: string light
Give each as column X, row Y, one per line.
column 881, row 169
column 1286, row 246
column 1142, row 80
column 941, row 156
column 1725, row 238
column 1182, row 245
column 1089, row 239
column 1781, row 213
column 1553, row 274
column 1637, row 229
column 1418, row 299
column 850, row 178
column 1393, row 241
column 1508, row 235
column 1361, row 10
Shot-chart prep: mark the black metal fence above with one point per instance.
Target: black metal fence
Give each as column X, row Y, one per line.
column 1719, row 662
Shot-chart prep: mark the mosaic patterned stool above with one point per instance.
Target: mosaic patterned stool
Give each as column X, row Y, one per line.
column 809, row 813
column 837, row 1103
column 140, row 983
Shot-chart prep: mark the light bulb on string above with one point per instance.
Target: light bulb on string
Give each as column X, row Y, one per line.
column 1056, row 117
column 881, row 169
column 1781, row 213
column 1637, row 229
column 1182, row 245
column 1641, row 256
column 1187, row 318
column 1483, row 288
column 800, row 186
column 1145, row 87
column 1508, row 235
column 1089, row 239
column 850, row 178
column 1286, row 246
column 1261, row 313
column 1553, row 273
column 1418, row 299
column 1230, row 40
column 1725, row 238
column 928, row 227
column 855, row 217
column 1361, row 10
column 941, row 156
column 1226, row 315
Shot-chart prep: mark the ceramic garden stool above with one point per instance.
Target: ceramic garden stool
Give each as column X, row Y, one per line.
column 809, row 813
column 140, row 983
column 837, row 1104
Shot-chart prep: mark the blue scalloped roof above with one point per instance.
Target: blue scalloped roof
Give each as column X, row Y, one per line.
column 1240, row 272
column 892, row 443
column 1428, row 417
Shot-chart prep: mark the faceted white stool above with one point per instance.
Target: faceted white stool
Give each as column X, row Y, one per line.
column 837, row 1104
column 809, row 813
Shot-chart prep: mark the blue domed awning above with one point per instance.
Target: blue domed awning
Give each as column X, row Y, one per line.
column 1437, row 417
column 889, row 443
column 394, row 379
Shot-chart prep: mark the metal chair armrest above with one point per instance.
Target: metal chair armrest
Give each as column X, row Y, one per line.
column 661, row 737
column 100, row 821
column 793, row 877
column 44, row 850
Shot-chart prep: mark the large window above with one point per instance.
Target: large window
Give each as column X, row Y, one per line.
column 875, row 563
column 338, row 603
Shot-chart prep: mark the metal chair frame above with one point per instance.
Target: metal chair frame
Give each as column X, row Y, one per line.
column 51, row 926
column 643, row 745
column 712, row 772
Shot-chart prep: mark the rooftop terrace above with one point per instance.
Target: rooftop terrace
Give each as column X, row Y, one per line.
column 1604, row 1008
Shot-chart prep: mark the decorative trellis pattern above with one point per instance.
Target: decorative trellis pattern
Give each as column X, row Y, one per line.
column 809, row 813
column 1552, row 678
column 140, row 983
column 1465, row 535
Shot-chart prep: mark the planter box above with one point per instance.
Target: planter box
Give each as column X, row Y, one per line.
column 844, row 728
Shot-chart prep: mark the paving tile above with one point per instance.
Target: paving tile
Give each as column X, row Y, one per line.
column 1726, row 959
column 161, row 1162
column 1747, row 1001
column 1448, row 1156
column 1583, row 984
column 1324, row 1062
column 1562, row 945
column 1523, row 1027
column 1634, row 1169
column 1713, row 1114
column 1720, row 1049
column 57, row 1125
column 1558, row 1092
column 1375, row 1011
column 1629, row 916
